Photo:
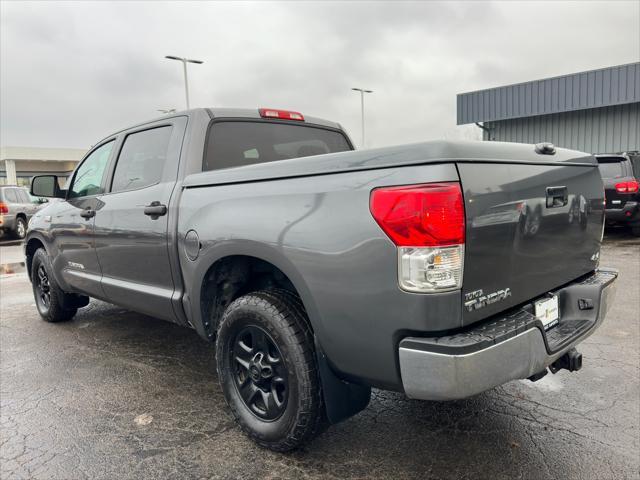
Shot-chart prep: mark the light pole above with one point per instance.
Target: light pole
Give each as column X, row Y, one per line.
column 184, row 66
column 362, row 92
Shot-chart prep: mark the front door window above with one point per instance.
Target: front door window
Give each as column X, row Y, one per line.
column 88, row 178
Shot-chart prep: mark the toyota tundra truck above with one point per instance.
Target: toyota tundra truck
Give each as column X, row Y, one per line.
column 318, row 272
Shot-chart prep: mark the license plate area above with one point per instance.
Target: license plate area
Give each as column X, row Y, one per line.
column 548, row 311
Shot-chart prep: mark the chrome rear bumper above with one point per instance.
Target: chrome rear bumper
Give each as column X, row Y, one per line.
column 503, row 349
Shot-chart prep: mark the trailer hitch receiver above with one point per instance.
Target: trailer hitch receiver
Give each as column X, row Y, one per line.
column 572, row 361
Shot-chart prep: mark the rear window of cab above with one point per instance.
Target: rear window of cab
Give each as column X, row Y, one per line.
column 238, row 143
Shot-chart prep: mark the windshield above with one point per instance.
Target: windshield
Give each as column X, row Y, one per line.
column 237, row 143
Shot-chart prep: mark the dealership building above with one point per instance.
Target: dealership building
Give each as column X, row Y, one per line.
column 597, row 111
column 19, row 164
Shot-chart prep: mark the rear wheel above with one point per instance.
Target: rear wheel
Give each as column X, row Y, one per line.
column 267, row 369
column 53, row 304
column 635, row 229
column 21, row 228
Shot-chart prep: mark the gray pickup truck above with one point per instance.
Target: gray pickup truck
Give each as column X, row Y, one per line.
column 437, row 269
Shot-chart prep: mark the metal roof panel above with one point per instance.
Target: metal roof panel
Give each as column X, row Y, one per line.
column 605, row 87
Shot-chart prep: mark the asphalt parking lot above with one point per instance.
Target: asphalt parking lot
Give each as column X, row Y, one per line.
column 114, row 394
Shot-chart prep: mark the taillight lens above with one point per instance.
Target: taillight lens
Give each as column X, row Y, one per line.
column 420, row 215
column 627, row 187
column 4, row 208
column 427, row 224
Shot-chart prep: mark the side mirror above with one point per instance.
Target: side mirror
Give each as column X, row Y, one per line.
column 46, row 186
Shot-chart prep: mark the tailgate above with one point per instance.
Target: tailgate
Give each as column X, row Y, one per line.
column 530, row 229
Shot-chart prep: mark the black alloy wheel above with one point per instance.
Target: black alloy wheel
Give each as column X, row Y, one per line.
column 43, row 288
column 261, row 376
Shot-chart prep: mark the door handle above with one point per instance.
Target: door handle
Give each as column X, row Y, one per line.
column 155, row 210
column 557, row 197
column 88, row 213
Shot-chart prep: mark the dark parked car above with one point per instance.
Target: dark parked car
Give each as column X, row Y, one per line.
column 17, row 206
column 406, row 268
column 622, row 192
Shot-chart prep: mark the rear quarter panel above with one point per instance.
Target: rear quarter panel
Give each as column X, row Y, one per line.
column 318, row 230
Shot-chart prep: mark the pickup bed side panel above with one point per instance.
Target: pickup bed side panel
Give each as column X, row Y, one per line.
column 319, row 232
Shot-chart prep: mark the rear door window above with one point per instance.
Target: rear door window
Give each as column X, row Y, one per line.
column 23, row 196
column 142, row 159
column 237, row 143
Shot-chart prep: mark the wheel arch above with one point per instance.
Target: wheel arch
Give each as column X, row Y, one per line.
column 32, row 244
column 231, row 272
column 230, row 276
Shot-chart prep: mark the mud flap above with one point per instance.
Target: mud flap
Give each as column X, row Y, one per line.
column 342, row 399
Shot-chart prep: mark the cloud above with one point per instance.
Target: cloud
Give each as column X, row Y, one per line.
column 74, row 72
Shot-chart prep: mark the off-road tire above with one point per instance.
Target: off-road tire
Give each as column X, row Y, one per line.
column 281, row 315
column 60, row 306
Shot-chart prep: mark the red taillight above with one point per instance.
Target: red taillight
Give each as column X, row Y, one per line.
column 281, row 114
column 420, row 215
column 4, row 208
column 627, row 187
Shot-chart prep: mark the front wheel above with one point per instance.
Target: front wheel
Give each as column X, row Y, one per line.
column 52, row 303
column 267, row 369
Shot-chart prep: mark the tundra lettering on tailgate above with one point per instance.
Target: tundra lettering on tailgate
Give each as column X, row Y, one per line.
column 477, row 299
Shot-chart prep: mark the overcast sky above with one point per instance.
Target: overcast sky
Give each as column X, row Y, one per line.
column 71, row 73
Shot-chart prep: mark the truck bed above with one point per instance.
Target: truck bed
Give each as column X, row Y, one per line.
column 388, row 157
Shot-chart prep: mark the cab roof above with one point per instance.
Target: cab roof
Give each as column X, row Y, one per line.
column 254, row 113
column 228, row 112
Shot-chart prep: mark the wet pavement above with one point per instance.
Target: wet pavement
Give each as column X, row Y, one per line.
column 114, row 394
